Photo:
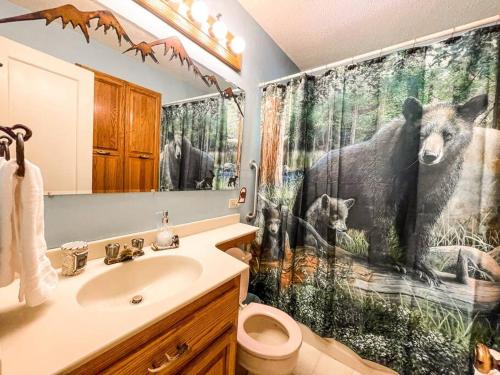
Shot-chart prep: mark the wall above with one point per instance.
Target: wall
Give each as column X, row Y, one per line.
column 91, row 217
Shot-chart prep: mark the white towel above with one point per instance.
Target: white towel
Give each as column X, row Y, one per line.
column 22, row 241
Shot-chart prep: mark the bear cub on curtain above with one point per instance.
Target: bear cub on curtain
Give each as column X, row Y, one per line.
column 420, row 153
column 271, row 238
column 328, row 216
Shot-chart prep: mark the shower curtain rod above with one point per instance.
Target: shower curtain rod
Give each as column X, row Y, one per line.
column 197, row 98
column 384, row 51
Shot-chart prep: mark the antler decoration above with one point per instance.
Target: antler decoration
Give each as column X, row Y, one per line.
column 171, row 43
column 69, row 14
column 175, row 45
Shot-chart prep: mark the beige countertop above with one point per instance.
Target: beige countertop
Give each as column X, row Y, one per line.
column 61, row 334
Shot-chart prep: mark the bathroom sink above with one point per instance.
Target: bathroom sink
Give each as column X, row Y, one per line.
column 139, row 282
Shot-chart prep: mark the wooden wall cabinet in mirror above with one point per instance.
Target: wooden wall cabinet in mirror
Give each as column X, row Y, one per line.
column 142, row 127
column 126, row 127
column 109, row 134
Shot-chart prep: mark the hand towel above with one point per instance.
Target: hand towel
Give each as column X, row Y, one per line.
column 22, row 243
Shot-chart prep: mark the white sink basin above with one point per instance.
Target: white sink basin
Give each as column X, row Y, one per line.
column 153, row 279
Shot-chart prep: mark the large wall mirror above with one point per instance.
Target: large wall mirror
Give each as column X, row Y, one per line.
column 104, row 121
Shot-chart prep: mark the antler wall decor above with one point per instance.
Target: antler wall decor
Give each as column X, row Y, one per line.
column 69, row 14
column 174, row 44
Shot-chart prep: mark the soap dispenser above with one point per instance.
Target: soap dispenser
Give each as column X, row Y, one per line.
column 164, row 238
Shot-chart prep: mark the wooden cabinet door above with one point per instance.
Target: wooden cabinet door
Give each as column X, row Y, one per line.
column 142, row 128
column 218, row 359
column 107, row 173
column 109, row 144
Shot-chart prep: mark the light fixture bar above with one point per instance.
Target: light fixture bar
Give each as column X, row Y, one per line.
column 191, row 24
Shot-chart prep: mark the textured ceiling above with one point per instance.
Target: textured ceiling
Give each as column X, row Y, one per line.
column 317, row 32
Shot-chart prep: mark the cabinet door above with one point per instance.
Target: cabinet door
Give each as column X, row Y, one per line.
column 107, row 173
column 141, row 173
column 142, row 127
column 109, row 134
column 218, row 359
column 55, row 99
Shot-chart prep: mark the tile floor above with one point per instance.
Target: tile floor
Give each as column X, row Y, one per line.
column 314, row 362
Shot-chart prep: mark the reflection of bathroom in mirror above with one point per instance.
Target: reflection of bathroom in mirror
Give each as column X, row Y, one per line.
column 105, row 121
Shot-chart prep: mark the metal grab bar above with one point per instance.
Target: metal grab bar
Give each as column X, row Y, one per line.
column 252, row 215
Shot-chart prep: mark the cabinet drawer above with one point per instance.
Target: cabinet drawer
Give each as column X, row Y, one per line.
column 183, row 341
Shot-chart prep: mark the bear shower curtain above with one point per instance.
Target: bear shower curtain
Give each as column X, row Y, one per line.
column 200, row 144
column 379, row 218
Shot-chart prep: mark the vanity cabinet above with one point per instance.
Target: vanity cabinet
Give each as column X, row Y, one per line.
column 126, row 136
column 198, row 339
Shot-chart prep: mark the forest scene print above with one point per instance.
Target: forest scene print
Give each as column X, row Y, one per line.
column 200, row 144
column 379, row 204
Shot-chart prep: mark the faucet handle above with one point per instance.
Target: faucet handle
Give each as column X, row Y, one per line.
column 138, row 243
column 112, row 250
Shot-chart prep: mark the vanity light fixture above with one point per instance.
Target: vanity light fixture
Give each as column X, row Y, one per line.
column 219, row 29
column 237, row 45
column 192, row 19
column 199, row 11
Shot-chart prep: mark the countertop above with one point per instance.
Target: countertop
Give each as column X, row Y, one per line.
column 61, row 334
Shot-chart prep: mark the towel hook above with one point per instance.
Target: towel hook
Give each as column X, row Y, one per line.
column 20, row 154
column 5, row 142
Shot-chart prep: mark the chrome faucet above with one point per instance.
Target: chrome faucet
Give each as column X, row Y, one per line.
column 113, row 254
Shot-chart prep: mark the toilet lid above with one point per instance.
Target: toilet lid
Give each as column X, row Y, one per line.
column 264, row 350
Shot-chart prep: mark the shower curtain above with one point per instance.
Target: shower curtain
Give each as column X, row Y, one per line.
column 378, row 209
column 200, row 144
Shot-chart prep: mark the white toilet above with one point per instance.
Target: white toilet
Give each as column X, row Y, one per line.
column 268, row 339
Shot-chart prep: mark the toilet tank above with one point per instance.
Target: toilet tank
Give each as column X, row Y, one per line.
column 245, row 257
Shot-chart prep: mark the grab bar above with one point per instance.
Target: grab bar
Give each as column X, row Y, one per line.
column 252, row 215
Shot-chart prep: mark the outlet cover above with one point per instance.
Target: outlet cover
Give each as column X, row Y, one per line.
column 233, row 203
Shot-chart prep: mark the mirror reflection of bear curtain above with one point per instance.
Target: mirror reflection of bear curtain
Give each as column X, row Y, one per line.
column 379, row 204
column 200, row 145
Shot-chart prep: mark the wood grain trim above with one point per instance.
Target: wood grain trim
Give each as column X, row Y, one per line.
column 198, row 331
column 224, row 348
column 243, row 240
column 192, row 30
column 128, row 346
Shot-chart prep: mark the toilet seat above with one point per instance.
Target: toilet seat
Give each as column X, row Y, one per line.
column 260, row 349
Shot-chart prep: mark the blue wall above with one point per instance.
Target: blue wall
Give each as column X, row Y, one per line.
column 91, row 217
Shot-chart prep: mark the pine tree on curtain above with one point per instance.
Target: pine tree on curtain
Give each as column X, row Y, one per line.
column 418, row 312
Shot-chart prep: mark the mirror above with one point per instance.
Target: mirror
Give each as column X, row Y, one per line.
column 107, row 117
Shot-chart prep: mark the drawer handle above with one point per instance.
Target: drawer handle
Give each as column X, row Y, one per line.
column 181, row 349
column 101, row 152
column 144, row 156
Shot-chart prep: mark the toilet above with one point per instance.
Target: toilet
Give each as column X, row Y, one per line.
column 268, row 339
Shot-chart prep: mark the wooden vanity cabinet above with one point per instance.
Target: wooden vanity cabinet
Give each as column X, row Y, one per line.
column 126, row 136
column 200, row 339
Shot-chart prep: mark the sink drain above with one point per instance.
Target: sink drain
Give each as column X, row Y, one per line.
column 136, row 299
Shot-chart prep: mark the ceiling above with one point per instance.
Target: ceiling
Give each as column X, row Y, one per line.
column 318, row 32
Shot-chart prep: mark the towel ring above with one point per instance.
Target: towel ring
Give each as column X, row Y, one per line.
column 20, row 154
column 10, row 131
column 5, row 142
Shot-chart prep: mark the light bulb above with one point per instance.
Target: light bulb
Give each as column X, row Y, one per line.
column 199, row 11
column 237, row 45
column 219, row 29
